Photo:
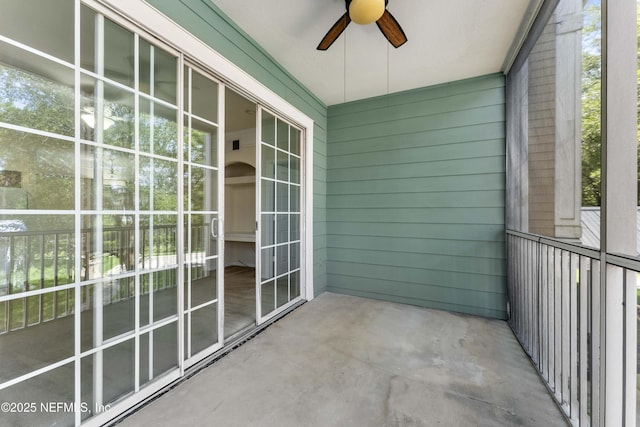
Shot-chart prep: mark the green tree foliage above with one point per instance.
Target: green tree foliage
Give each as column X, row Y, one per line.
column 591, row 106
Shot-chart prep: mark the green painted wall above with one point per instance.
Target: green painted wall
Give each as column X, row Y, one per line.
column 207, row 22
column 408, row 188
column 416, row 197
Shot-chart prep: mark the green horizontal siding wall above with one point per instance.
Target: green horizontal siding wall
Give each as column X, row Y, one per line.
column 416, row 197
column 206, row 21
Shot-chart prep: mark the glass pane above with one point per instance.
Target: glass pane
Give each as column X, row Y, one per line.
column 282, row 228
column 204, row 282
column 117, row 302
column 41, row 343
column 295, row 198
column 36, row 251
column 161, row 79
column 204, row 143
column 165, row 348
column 30, row 22
column 161, row 243
column 294, row 256
column 268, row 128
column 295, row 141
column 87, row 38
column 268, row 229
column 117, row 121
column 268, row 263
column 119, row 56
column 37, row 171
column 108, row 243
column 294, row 227
column 164, row 351
column 204, row 328
column 204, row 97
column 294, row 172
column 108, row 173
column 282, row 291
column 282, row 259
column 283, row 166
column 143, row 360
column 118, row 375
column 268, row 297
column 268, row 196
column 53, row 386
column 36, row 92
column 158, row 129
column 268, row 162
column 283, row 135
column 204, row 189
column 283, row 197
column 118, row 53
column 165, row 295
column 158, row 184
column 294, row 283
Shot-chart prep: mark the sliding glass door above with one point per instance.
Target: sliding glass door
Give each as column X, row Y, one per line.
column 203, row 245
column 112, row 210
column 279, row 191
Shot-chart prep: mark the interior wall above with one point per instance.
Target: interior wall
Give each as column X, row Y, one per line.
column 416, row 197
column 240, row 199
column 203, row 19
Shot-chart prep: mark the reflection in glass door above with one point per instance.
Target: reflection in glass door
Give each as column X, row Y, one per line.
column 278, row 275
column 203, row 283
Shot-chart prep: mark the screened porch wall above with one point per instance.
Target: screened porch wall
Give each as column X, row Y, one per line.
column 415, row 201
column 207, row 22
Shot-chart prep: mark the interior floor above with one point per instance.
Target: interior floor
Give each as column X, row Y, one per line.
column 239, row 299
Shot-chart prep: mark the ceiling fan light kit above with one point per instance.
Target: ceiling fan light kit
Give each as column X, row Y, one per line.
column 366, row 12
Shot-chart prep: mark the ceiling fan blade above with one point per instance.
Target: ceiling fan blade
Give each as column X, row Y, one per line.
column 334, row 32
column 391, row 29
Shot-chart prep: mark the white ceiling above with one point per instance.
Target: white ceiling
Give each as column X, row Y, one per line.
column 448, row 40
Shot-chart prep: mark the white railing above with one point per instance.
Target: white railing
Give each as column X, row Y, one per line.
column 558, row 302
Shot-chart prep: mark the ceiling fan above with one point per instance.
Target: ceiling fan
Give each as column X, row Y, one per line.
column 366, row 12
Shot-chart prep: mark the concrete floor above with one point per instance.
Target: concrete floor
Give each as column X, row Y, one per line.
column 346, row 361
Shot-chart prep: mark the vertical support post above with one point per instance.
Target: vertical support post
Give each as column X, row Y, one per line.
column 619, row 193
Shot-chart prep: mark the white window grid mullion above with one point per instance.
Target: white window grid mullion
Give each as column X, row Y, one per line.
column 38, row 132
column 36, row 292
column 98, row 244
column 203, row 120
column 187, row 162
column 77, row 345
column 136, row 220
column 220, row 205
column 35, row 373
column 159, row 101
column 159, row 324
column 258, row 215
column 152, row 171
column 180, row 235
column 37, row 52
column 204, row 304
column 104, row 79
